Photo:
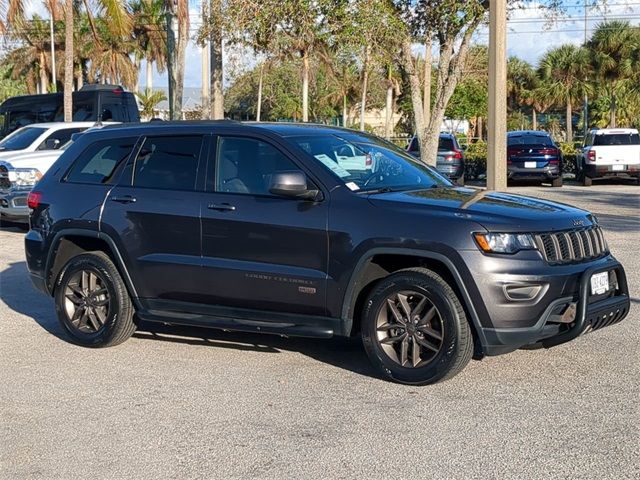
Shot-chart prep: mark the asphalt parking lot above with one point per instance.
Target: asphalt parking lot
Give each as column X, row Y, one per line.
column 194, row 404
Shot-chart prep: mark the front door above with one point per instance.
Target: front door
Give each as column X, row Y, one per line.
column 260, row 251
column 154, row 213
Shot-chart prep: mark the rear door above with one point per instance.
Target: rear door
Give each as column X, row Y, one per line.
column 260, row 251
column 154, row 213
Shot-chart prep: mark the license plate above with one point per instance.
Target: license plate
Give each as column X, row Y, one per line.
column 599, row 283
column 618, row 167
column 530, row 164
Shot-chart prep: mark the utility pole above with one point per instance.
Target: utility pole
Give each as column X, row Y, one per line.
column 172, row 29
column 497, row 146
column 585, row 114
column 205, row 101
column 54, row 87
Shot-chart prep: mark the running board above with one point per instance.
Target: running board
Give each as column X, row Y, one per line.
column 237, row 325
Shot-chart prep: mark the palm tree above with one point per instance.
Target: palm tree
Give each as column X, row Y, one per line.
column 149, row 100
column 111, row 58
column 564, row 71
column 613, row 46
column 32, row 61
column 149, row 31
column 119, row 24
column 521, row 79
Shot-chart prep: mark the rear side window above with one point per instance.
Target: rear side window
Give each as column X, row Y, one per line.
column 168, row 163
column 446, row 143
column 529, row 140
column 100, row 161
column 617, row 139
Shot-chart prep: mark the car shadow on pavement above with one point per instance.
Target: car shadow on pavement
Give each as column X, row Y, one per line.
column 20, row 296
column 17, row 292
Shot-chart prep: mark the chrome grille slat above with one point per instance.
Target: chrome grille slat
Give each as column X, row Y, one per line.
column 571, row 246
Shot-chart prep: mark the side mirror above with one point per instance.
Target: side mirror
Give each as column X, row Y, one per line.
column 293, row 184
column 52, row 143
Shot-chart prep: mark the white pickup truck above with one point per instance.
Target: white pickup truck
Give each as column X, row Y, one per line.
column 609, row 152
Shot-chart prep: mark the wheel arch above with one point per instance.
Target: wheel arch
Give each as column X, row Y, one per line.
column 68, row 243
column 380, row 262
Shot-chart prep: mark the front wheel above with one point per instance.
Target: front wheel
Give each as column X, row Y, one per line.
column 92, row 302
column 414, row 328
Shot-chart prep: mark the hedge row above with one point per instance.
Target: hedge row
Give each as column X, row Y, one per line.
column 476, row 159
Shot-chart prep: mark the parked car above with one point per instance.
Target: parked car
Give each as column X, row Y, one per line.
column 92, row 103
column 610, row 152
column 242, row 227
column 450, row 161
column 533, row 155
column 39, row 137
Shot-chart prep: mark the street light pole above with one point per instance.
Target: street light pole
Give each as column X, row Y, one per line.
column 54, row 86
column 497, row 128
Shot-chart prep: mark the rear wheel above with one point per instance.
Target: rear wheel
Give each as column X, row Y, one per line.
column 414, row 328
column 92, row 302
column 586, row 180
column 556, row 182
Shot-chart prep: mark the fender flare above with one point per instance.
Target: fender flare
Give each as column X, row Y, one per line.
column 79, row 232
column 349, row 300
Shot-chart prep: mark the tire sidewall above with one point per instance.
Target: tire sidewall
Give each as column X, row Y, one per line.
column 94, row 264
column 439, row 366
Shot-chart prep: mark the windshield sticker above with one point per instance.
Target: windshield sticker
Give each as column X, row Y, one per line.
column 332, row 165
column 352, row 186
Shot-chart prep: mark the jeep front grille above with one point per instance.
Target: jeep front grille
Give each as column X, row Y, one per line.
column 572, row 246
column 5, row 183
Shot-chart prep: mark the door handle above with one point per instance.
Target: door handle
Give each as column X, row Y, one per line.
column 221, row 207
column 123, row 199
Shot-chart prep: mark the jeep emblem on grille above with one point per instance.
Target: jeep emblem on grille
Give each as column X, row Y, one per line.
column 577, row 222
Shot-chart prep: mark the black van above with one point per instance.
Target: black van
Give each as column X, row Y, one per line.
column 113, row 103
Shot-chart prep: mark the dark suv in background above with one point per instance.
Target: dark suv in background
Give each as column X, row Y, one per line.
column 533, row 155
column 450, row 161
column 278, row 228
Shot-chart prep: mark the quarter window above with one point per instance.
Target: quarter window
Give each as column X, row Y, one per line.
column 100, row 162
column 245, row 165
column 169, row 163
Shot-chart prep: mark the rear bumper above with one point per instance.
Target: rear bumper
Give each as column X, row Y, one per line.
column 601, row 171
column 545, row 173
column 591, row 314
column 13, row 205
column 451, row 170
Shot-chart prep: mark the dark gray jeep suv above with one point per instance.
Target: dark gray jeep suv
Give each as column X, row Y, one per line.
column 302, row 230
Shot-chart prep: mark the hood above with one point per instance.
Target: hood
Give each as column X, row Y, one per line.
column 495, row 211
column 40, row 160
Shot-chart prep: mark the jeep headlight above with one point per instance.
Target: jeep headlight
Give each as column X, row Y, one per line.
column 24, row 177
column 504, row 242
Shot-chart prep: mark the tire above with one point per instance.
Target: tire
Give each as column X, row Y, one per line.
column 460, row 181
column 449, row 322
column 586, row 180
column 556, row 182
column 91, row 289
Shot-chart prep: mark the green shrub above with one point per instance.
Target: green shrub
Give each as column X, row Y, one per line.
column 475, row 159
column 569, row 156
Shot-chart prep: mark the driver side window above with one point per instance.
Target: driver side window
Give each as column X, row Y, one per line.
column 245, row 165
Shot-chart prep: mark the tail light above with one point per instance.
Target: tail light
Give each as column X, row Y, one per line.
column 448, row 158
column 591, row 156
column 33, row 200
column 457, row 155
column 548, row 151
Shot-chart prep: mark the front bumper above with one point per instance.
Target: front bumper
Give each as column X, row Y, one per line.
column 509, row 323
column 13, row 205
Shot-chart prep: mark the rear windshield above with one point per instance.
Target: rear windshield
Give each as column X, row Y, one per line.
column 529, row 140
column 617, row 139
column 21, row 139
column 444, row 143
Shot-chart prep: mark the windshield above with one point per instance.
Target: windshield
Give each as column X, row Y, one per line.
column 617, row 139
column 21, row 139
column 366, row 167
